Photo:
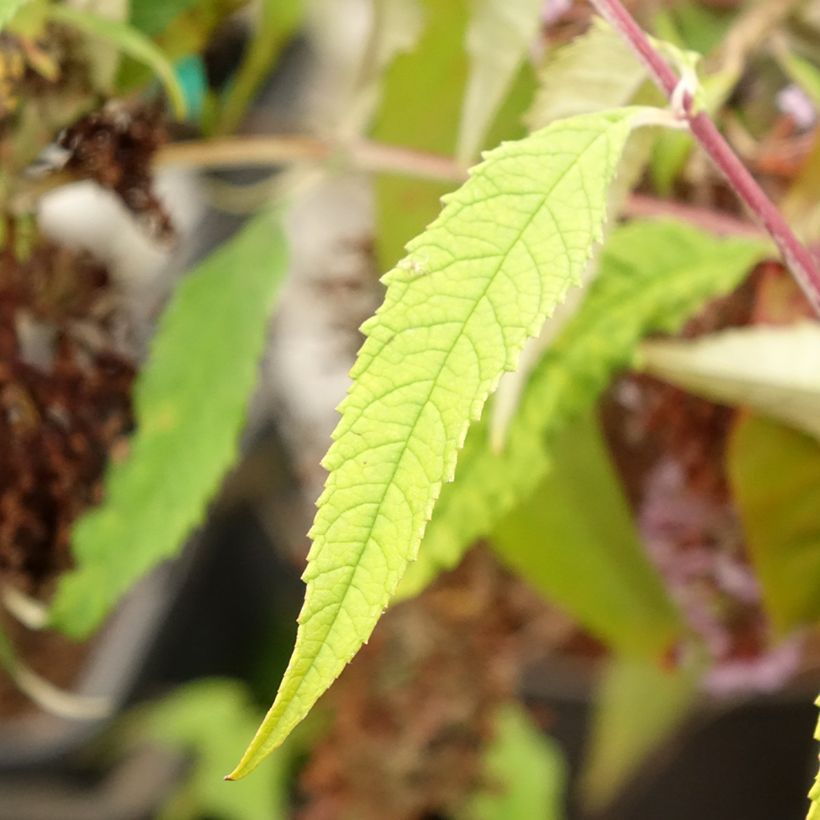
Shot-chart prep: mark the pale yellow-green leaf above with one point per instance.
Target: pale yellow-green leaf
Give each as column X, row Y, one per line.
column 774, row 370
column 458, row 310
column 499, row 35
column 594, row 72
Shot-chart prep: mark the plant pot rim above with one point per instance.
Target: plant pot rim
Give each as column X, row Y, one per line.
column 111, row 670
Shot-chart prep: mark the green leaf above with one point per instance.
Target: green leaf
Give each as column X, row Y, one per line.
column 406, row 205
column 774, row 473
column 653, row 276
column 190, row 402
column 152, row 17
column 499, row 36
column 525, row 771
column 575, row 542
column 814, row 794
column 185, row 36
column 773, row 370
column 458, row 310
column 409, row 115
column 278, row 20
column 639, row 706
column 8, row 8
column 130, row 41
column 594, row 72
column 211, row 719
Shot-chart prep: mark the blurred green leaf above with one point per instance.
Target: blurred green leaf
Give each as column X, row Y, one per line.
column 774, row 473
column 593, row 72
column 639, row 707
column 525, row 771
column 653, row 276
column 190, row 401
column 771, row 369
column 276, row 23
column 8, row 8
column 152, row 17
column 575, row 542
column 499, row 36
column 130, row 41
column 410, row 114
column 701, row 29
column 210, row 719
column 186, row 35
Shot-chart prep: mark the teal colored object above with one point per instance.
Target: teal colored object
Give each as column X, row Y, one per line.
column 190, row 72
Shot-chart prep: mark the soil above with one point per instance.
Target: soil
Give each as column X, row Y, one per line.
column 65, row 407
column 114, row 147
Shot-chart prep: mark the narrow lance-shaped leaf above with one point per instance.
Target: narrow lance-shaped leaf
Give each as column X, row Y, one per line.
column 775, row 370
column 457, row 312
column 190, row 404
column 653, row 276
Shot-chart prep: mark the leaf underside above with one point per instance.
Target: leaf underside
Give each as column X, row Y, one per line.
column 773, row 370
column 190, row 403
column 458, row 309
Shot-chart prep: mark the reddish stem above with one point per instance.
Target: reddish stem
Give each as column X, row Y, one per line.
column 798, row 258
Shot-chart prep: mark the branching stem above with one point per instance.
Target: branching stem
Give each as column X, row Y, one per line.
column 798, row 258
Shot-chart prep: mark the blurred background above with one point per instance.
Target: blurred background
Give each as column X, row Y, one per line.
column 136, row 139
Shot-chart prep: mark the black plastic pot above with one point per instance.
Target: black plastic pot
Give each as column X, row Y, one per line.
column 201, row 615
column 751, row 759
